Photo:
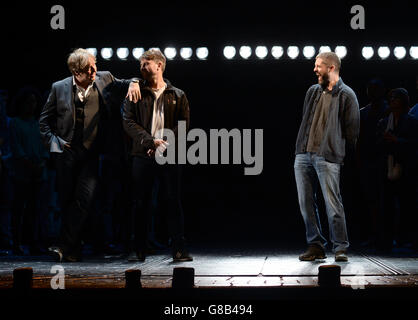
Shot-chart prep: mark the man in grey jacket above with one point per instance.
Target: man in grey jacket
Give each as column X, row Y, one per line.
column 330, row 125
column 75, row 124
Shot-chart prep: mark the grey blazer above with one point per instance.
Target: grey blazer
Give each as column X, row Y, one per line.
column 57, row 118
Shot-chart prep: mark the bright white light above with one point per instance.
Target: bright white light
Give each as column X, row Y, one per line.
column 413, row 51
column 399, row 52
column 324, row 49
column 137, row 52
column 367, row 52
column 308, row 52
column 383, row 52
column 229, row 52
column 170, row 52
column 261, row 52
column 245, row 52
column 202, row 53
column 277, row 52
column 341, row 51
column 93, row 51
column 106, row 53
column 292, row 52
column 186, row 53
column 122, row 53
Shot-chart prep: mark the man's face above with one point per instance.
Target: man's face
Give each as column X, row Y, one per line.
column 395, row 104
column 322, row 72
column 88, row 74
column 149, row 68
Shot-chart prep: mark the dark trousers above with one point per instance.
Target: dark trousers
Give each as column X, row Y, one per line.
column 29, row 213
column 77, row 177
column 144, row 173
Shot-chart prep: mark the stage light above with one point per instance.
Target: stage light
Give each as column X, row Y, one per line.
column 137, row 52
column 186, row 53
column 367, row 52
column 383, row 52
column 93, row 51
column 261, row 52
column 183, row 278
column 229, row 52
column 202, row 53
column 245, row 52
column 277, row 52
column 308, row 52
column 329, row 276
column 106, row 53
column 170, row 52
column 341, row 51
column 413, row 51
column 292, row 52
column 133, row 279
column 122, row 53
column 324, row 49
column 23, row 278
column 399, row 52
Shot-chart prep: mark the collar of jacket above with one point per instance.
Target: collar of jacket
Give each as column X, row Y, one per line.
column 169, row 85
column 335, row 89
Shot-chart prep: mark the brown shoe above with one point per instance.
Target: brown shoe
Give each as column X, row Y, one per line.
column 341, row 256
column 313, row 252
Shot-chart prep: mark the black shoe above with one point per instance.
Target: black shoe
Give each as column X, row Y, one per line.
column 56, row 253
column 341, row 256
column 312, row 253
column 135, row 256
column 181, row 256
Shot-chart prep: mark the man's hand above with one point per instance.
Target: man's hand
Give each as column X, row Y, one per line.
column 134, row 93
column 159, row 142
column 150, row 152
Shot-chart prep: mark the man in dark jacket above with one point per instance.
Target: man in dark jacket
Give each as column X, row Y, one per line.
column 329, row 125
column 161, row 108
column 74, row 125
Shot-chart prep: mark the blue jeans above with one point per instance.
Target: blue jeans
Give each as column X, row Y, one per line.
column 310, row 170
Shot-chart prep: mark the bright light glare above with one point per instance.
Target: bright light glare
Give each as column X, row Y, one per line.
column 399, row 52
column 292, row 52
column 202, row 53
column 308, row 52
column 277, row 52
column 367, row 52
column 186, row 53
column 383, row 52
column 229, row 52
column 106, row 53
column 245, row 52
column 122, row 53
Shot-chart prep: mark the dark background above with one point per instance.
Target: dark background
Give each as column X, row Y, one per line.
column 221, row 204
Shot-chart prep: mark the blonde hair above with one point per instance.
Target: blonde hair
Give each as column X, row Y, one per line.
column 330, row 58
column 155, row 55
column 78, row 60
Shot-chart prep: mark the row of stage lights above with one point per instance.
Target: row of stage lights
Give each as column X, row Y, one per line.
column 261, row 52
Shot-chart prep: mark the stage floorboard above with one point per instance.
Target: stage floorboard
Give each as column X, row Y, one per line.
column 221, row 268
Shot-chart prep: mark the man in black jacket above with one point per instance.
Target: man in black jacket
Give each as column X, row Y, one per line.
column 329, row 125
column 161, row 108
column 74, row 124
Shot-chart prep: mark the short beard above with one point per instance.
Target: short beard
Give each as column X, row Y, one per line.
column 325, row 81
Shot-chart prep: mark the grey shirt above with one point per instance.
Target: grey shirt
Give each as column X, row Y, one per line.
column 319, row 122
